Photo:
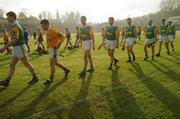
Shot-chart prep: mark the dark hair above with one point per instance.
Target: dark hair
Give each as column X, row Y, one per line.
column 111, row 18
column 129, row 18
column 163, row 19
column 3, row 30
column 83, row 17
column 11, row 14
column 44, row 21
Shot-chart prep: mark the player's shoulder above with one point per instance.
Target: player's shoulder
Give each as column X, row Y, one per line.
column 133, row 26
column 53, row 30
column 154, row 26
column 106, row 27
column 89, row 27
column 14, row 28
column 116, row 27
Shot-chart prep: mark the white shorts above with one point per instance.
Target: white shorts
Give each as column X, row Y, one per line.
column 53, row 53
column 163, row 39
column 171, row 38
column 130, row 41
column 19, row 51
column 149, row 41
column 87, row 44
column 110, row 44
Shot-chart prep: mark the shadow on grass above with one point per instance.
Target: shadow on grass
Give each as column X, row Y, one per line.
column 177, row 57
column 34, row 56
column 62, row 51
column 5, row 63
column 169, row 72
column 8, row 102
column 71, row 52
column 163, row 94
column 5, row 58
column 2, row 89
column 58, row 113
column 121, row 101
column 28, row 111
column 176, row 53
column 81, row 107
column 172, row 60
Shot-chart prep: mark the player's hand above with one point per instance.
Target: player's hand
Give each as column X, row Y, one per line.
column 116, row 45
column 2, row 49
column 135, row 42
column 93, row 47
column 123, row 47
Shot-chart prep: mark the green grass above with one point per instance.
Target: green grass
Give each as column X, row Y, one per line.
column 130, row 91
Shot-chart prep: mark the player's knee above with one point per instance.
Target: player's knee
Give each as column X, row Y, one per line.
column 85, row 57
column 12, row 66
column 28, row 65
column 112, row 55
column 130, row 49
column 145, row 46
column 52, row 63
column 56, row 63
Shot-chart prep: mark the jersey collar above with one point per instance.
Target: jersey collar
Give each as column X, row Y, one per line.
column 129, row 25
column 14, row 23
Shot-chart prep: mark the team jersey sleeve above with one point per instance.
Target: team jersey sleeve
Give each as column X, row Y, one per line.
column 134, row 28
column 58, row 34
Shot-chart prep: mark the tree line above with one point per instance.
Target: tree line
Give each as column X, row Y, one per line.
column 168, row 9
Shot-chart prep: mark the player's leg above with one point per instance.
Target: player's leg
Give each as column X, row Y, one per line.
column 160, row 45
column 131, row 45
column 41, row 43
column 132, row 52
column 171, row 39
column 90, row 61
column 128, row 50
column 172, row 45
column 145, row 52
column 167, row 46
column 66, row 44
column 146, row 43
column 111, row 53
column 30, row 67
column 100, row 45
column 86, row 47
column 112, row 47
column 153, row 51
column 52, row 71
column 75, row 44
column 83, row 72
column 12, row 66
column 27, row 44
column 58, row 64
column 69, row 42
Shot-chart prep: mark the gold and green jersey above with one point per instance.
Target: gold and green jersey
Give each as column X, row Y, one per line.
column 163, row 30
column 110, row 32
column 171, row 30
column 150, row 31
column 17, row 34
column 130, row 31
column 84, row 33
